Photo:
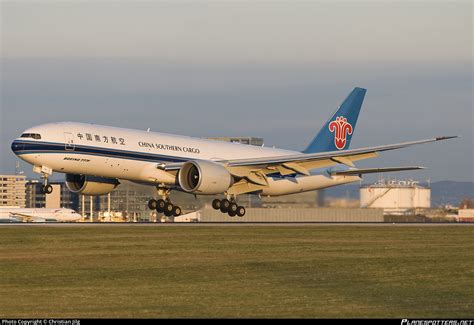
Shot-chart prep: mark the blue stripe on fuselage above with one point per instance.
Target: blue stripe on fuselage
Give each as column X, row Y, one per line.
column 28, row 147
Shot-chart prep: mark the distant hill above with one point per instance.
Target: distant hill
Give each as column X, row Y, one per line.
column 450, row 192
column 442, row 193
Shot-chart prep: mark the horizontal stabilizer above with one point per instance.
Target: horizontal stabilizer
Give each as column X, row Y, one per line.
column 351, row 172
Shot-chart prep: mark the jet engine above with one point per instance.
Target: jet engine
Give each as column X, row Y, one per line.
column 204, row 177
column 90, row 185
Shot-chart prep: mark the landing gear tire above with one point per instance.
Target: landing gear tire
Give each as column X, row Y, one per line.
column 240, row 211
column 176, row 211
column 225, row 204
column 152, row 204
column 168, row 209
column 216, row 204
column 46, row 189
column 231, row 214
column 160, row 205
column 233, row 208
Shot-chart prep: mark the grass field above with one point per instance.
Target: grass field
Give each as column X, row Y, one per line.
column 238, row 271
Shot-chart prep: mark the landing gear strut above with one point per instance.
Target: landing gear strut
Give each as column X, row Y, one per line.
column 45, row 173
column 229, row 207
column 164, row 204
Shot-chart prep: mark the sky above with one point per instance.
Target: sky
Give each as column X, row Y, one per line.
column 270, row 69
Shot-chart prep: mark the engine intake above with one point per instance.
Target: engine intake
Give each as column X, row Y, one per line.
column 90, row 185
column 204, row 177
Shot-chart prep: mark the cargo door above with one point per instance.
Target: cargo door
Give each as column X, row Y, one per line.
column 70, row 146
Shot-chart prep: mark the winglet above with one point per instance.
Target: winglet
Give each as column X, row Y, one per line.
column 448, row 137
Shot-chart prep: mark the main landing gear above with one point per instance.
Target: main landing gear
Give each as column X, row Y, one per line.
column 229, row 207
column 164, row 204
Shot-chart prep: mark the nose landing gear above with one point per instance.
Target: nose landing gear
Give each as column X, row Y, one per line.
column 46, row 189
column 45, row 173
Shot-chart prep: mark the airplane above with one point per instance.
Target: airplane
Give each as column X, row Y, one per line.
column 94, row 159
column 39, row 214
column 9, row 220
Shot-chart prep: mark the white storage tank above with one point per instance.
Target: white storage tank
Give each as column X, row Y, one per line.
column 395, row 196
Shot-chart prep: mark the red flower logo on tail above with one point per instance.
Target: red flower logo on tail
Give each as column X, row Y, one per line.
column 341, row 129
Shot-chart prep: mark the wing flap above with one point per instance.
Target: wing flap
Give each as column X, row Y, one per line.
column 22, row 216
column 297, row 168
column 257, row 178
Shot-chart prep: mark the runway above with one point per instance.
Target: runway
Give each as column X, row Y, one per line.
column 235, row 224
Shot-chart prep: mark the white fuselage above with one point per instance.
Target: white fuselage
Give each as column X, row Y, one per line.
column 111, row 152
column 40, row 214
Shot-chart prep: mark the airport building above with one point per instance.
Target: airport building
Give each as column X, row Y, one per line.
column 294, row 215
column 243, row 140
column 312, row 199
column 60, row 198
column 129, row 201
column 466, row 215
column 12, row 190
column 396, row 197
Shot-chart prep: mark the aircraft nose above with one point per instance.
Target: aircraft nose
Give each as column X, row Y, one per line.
column 17, row 147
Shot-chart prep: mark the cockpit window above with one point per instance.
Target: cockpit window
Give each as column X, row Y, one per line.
column 31, row 135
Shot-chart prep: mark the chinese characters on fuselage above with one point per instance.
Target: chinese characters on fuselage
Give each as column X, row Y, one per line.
column 101, row 138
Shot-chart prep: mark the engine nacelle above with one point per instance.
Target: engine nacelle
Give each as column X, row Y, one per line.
column 204, row 177
column 90, row 185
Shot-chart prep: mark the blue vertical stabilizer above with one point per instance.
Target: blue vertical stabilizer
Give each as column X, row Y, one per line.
column 337, row 133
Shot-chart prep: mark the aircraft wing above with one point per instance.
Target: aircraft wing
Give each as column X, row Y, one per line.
column 254, row 170
column 360, row 171
column 345, row 156
column 30, row 218
column 22, row 216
